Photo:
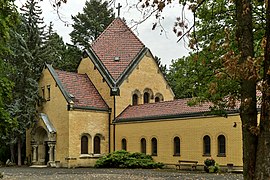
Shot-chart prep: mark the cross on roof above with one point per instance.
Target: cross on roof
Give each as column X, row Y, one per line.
column 118, row 8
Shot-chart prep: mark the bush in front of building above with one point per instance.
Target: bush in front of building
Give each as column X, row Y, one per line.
column 124, row 159
column 1, row 175
column 211, row 166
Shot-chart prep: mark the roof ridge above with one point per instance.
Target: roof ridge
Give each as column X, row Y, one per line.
column 103, row 32
column 131, row 31
column 118, row 18
column 162, row 102
column 68, row 72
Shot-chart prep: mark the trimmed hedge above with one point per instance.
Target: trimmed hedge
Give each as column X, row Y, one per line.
column 124, row 159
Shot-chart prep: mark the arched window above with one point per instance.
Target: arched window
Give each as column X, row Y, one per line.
column 154, row 146
column 176, row 142
column 124, row 144
column 206, row 145
column 134, row 99
column 84, row 145
column 146, row 97
column 143, row 145
column 221, row 145
column 158, row 97
column 96, row 145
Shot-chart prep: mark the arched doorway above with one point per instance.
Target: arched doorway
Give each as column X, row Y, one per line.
column 40, row 147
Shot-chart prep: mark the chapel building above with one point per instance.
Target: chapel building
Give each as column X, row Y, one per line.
column 119, row 99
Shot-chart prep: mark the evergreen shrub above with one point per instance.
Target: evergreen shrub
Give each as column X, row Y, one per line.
column 124, row 159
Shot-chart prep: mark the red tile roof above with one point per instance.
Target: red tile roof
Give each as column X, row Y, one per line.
column 161, row 109
column 117, row 40
column 84, row 92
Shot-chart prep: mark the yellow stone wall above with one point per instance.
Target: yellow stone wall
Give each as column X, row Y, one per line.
column 191, row 132
column 145, row 75
column 89, row 123
column 87, row 67
column 56, row 110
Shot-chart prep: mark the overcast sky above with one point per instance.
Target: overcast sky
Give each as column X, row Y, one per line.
column 163, row 45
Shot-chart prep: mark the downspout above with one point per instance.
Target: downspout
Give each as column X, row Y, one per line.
column 109, row 123
column 114, row 114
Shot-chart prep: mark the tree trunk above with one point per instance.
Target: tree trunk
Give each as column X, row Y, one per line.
column 263, row 153
column 248, row 109
column 12, row 153
column 19, row 151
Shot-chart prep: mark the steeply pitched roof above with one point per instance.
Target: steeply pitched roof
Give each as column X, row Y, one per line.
column 81, row 89
column 163, row 110
column 78, row 88
column 117, row 40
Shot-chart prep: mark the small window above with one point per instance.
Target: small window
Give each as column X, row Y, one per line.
column 143, row 145
column 176, row 142
column 135, row 99
column 96, row 145
column 206, row 145
column 84, row 145
column 124, row 144
column 146, row 97
column 221, row 145
column 159, row 97
column 43, row 93
column 154, row 146
column 49, row 92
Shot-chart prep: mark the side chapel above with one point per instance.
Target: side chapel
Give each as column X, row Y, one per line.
column 119, row 99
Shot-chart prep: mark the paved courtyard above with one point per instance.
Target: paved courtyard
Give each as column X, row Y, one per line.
column 26, row 173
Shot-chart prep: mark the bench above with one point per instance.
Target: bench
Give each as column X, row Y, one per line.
column 185, row 162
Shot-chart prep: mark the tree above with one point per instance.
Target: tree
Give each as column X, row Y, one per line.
column 27, row 61
column 8, row 20
column 163, row 68
column 72, row 58
column 237, row 60
column 54, row 47
column 91, row 23
column 189, row 78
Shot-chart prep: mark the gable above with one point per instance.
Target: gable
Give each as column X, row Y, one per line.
column 117, row 47
column 78, row 90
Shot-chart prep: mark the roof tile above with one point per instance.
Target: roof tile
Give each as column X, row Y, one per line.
column 84, row 92
column 117, row 40
column 165, row 108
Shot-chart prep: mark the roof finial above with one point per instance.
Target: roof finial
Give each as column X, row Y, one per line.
column 118, row 8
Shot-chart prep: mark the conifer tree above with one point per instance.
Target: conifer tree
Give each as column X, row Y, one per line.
column 54, row 47
column 90, row 24
column 27, row 61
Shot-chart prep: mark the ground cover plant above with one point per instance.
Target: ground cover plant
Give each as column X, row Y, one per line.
column 124, row 159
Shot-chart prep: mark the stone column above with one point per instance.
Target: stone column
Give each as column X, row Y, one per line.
column 34, row 146
column 51, row 151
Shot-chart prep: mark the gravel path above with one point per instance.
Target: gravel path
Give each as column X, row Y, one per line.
column 26, row 173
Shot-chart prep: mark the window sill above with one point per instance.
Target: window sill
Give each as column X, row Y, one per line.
column 153, row 154
column 85, row 156
column 97, row 155
column 176, row 155
column 88, row 156
column 221, row 155
column 206, row 155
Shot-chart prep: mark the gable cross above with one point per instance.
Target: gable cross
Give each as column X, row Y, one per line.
column 118, row 8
